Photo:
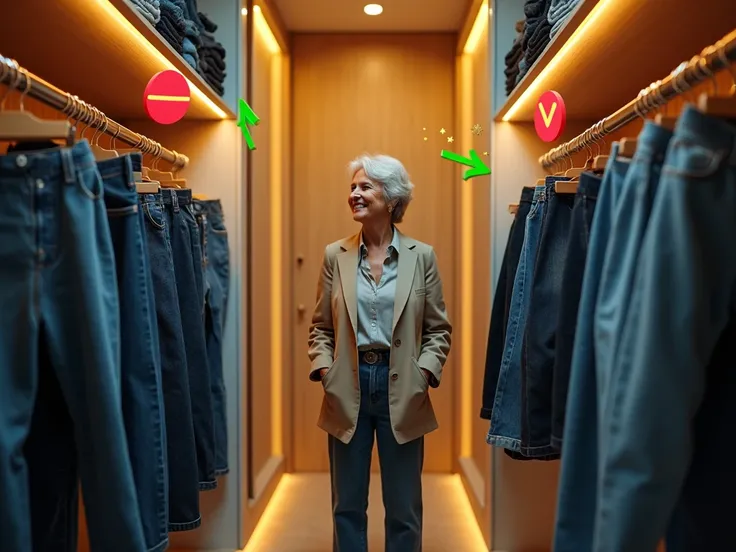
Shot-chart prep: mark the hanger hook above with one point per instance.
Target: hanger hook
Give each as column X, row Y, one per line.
column 26, row 88
column 12, row 81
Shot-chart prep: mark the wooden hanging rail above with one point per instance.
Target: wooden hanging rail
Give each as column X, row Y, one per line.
column 701, row 67
column 17, row 78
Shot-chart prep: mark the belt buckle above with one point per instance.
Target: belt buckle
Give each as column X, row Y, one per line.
column 371, row 357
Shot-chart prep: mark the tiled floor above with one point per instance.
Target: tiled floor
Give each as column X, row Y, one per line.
column 298, row 518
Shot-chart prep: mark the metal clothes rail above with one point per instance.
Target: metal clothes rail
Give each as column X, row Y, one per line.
column 17, row 78
column 688, row 74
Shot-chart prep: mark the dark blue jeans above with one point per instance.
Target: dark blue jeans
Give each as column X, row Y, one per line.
column 143, row 407
column 671, row 409
column 401, row 473
column 187, row 255
column 60, row 307
column 501, row 302
column 572, row 283
column 217, row 282
column 181, row 450
column 578, row 487
column 538, row 358
column 505, row 429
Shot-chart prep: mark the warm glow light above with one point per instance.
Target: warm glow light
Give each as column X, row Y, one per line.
column 476, row 32
column 265, row 31
column 532, row 92
column 373, row 9
column 244, row 12
column 123, row 22
column 270, row 519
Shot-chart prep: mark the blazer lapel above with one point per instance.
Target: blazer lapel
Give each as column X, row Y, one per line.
column 347, row 261
column 405, row 278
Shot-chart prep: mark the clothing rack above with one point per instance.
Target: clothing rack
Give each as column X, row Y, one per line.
column 18, row 78
column 688, row 74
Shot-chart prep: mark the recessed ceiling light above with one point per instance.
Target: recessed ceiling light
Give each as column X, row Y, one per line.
column 373, row 9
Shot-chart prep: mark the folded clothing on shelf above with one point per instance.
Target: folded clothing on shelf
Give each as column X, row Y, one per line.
column 149, row 9
column 559, row 12
column 536, row 33
column 172, row 25
column 211, row 55
column 513, row 58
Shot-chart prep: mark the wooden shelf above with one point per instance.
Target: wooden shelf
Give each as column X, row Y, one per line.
column 101, row 50
column 628, row 45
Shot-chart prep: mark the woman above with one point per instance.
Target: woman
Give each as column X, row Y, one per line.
column 378, row 340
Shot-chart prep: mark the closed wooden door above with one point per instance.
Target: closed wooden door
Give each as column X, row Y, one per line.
column 377, row 94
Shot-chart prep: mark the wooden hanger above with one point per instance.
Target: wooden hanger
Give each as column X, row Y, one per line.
column 513, row 208
column 98, row 151
column 541, row 182
column 600, row 162
column 567, row 186
column 203, row 197
column 665, row 121
column 150, row 187
column 627, row 147
column 718, row 105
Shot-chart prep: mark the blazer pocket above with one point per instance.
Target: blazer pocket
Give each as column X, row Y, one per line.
column 328, row 373
column 421, row 291
column 423, row 381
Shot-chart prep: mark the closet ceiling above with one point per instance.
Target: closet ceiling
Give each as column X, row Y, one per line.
column 397, row 16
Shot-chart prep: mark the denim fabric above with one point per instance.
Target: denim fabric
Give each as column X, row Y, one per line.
column 501, row 300
column 217, row 282
column 188, row 272
column 577, row 493
column 622, row 254
column 401, row 473
column 143, row 407
column 182, row 455
column 60, row 308
column 505, row 430
column 572, row 283
column 674, row 380
column 538, row 357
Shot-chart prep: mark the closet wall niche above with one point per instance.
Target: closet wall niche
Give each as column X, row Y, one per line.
column 105, row 52
column 607, row 52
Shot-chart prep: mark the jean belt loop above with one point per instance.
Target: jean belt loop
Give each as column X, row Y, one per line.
column 174, row 200
column 129, row 179
column 67, row 165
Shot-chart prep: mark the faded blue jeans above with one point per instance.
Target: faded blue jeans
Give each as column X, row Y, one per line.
column 505, row 429
column 401, row 473
column 59, row 317
column 671, row 416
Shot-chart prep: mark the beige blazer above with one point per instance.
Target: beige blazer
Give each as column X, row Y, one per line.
column 421, row 339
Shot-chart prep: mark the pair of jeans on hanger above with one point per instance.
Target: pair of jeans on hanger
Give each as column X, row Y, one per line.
column 60, row 341
column 216, row 256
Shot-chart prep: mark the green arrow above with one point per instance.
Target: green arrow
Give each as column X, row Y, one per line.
column 478, row 167
column 246, row 116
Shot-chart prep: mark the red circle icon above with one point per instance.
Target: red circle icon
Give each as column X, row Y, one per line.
column 550, row 116
column 166, row 97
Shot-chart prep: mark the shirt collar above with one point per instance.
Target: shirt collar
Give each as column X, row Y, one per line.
column 394, row 245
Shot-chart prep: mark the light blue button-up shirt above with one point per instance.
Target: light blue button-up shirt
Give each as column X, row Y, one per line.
column 376, row 300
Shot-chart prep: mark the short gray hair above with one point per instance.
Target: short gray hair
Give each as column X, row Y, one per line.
column 397, row 188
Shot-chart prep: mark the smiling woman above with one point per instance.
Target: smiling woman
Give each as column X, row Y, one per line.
column 385, row 298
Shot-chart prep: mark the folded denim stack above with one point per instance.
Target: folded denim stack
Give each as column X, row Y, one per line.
column 536, row 33
column 192, row 39
column 172, row 25
column 559, row 12
column 116, row 375
column 513, row 58
column 150, row 9
column 211, row 56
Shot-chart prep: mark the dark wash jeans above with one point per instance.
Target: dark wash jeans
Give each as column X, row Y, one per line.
column 401, row 473
column 505, row 428
column 572, row 283
column 143, row 406
column 670, row 446
column 217, row 282
column 578, row 487
column 501, row 302
column 187, row 255
column 538, row 356
column 181, row 451
column 60, row 326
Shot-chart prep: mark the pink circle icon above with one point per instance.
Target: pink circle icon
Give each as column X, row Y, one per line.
column 550, row 116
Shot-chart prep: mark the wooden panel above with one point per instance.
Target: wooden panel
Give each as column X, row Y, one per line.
column 261, row 315
column 109, row 73
column 607, row 65
column 368, row 93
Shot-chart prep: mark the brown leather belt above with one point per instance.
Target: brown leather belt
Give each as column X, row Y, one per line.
column 373, row 356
